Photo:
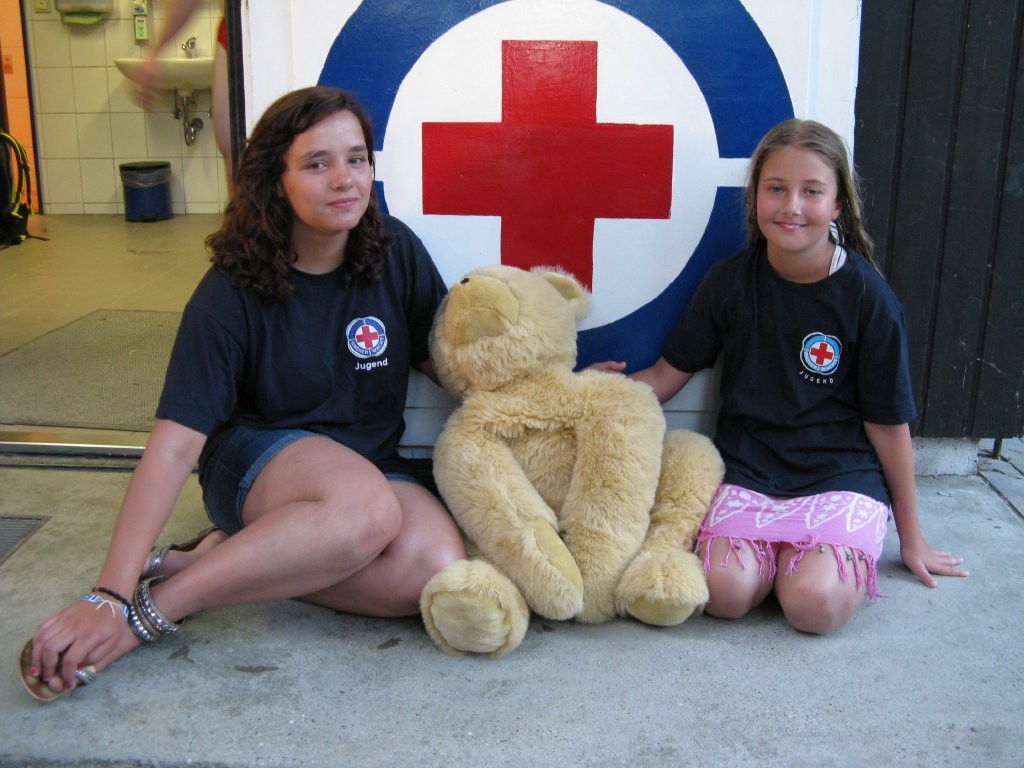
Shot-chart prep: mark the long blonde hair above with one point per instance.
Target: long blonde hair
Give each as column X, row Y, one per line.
column 818, row 138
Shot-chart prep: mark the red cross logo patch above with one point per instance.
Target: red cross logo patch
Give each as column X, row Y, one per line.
column 366, row 337
column 820, row 353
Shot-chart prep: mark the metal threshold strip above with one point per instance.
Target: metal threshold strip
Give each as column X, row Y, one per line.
column 71, row 442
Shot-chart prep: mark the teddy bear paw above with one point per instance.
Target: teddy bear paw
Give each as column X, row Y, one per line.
column 662, row 588
column 470, row 607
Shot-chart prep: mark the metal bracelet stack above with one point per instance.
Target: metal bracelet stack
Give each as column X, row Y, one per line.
column 146, row 620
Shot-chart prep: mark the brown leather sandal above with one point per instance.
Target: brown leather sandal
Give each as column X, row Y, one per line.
column 156, row 557
column 40, row 690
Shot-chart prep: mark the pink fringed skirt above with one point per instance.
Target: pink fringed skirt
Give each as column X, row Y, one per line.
column 850, row 524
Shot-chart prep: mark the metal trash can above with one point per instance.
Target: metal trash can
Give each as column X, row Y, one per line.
column 147, row 190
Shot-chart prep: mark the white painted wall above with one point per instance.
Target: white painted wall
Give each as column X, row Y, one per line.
column 815, row 42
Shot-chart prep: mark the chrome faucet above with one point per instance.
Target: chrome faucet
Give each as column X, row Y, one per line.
column 189, row 47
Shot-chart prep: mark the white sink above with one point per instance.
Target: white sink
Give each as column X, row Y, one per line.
column 183, row 75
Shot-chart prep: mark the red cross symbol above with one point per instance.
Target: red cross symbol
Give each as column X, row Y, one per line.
column 548, row 169
column 822, row 353
column 367, row 337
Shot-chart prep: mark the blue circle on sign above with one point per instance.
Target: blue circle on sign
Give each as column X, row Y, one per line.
column 723, row 49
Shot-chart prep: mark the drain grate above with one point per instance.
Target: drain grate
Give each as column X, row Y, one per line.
column 15, row 531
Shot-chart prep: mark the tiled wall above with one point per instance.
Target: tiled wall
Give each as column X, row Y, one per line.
column 88, row 123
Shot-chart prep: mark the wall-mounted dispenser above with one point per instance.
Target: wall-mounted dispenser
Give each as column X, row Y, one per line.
column 83, row 11
column 141, row 18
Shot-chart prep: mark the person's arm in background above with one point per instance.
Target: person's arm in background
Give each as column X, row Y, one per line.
column 178, row 14
column 665, row 379
column 662, row 377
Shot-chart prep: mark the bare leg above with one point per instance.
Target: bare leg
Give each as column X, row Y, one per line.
column 814, row 598
column 735, row 583
column 316, row 514
column 391, row 585
column 220, row 109
column 317, row 517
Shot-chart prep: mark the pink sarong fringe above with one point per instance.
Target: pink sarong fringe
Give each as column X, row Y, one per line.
column 852, row 525
column 767, row 566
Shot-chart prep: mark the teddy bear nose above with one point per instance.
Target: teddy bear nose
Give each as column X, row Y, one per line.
column 463, row 281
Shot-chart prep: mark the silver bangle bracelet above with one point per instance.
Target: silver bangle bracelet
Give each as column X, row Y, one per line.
column 147, row 621
column 141, row 630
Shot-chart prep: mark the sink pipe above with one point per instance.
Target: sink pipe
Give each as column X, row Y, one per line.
column 184, row 101
column 183, row 104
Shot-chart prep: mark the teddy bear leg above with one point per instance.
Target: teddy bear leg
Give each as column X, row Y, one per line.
column 662, row 588
column 666, row 584
column 470, row 607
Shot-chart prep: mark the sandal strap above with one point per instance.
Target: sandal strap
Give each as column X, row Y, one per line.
column 158, row 553
column 156, row 559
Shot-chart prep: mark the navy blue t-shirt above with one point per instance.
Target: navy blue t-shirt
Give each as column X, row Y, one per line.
column 331, row 360
column 803, row 366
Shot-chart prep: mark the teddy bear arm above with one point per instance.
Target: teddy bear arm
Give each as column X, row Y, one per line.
column 619, row 438
column 502, row 513
column 484, row 486
column 606, row 512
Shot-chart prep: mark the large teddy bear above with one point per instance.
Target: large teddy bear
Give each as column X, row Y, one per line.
column 574, row 502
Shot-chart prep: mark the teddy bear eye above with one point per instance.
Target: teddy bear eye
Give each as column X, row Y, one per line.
column 463, row 281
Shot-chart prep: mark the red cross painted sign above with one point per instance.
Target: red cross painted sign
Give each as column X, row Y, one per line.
column 548, row 169
column 608, row 138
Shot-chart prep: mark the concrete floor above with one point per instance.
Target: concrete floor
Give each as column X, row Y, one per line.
column 920, row 678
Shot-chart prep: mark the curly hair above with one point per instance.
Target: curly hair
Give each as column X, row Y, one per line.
column 253, row 244
column 827, row 144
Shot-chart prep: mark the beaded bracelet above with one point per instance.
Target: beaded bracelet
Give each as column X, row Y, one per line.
column 99, row 602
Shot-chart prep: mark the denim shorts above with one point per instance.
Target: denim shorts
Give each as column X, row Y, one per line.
column 234, row 458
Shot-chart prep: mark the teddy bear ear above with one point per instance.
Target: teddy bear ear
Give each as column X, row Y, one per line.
column 569, row 287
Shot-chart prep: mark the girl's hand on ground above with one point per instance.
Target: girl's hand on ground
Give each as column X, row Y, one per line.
column 82, row 634
column 923, row 561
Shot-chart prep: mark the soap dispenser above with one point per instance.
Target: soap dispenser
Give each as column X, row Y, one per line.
column 140, row 15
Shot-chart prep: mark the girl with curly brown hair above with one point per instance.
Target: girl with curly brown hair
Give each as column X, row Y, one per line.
column 287, row 385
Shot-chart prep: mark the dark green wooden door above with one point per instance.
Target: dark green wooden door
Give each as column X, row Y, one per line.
column 939, row 142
